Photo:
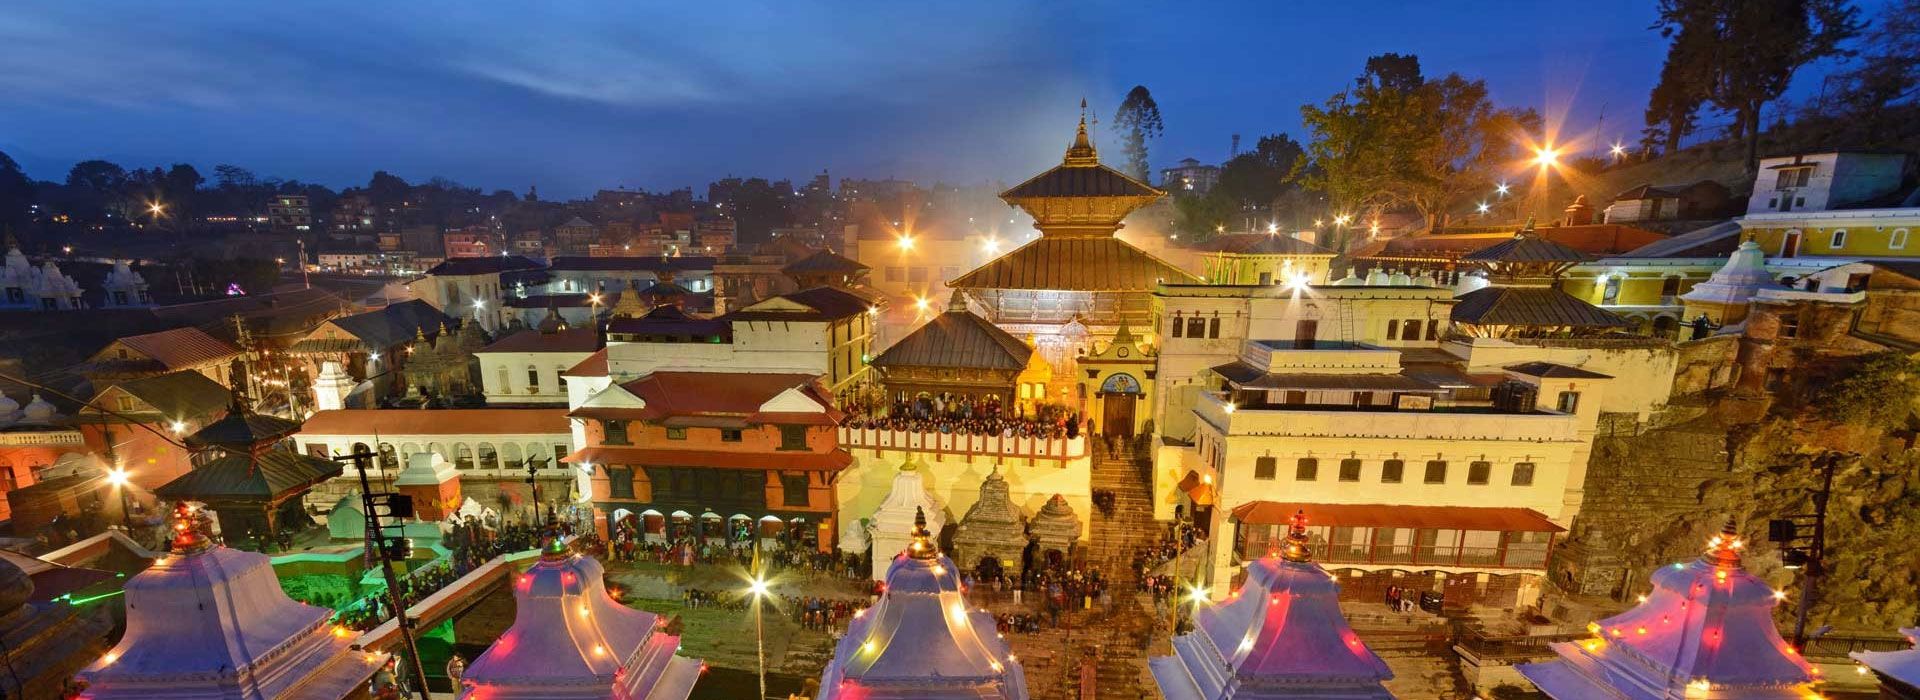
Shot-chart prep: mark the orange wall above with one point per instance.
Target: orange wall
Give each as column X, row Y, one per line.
column 150, row 461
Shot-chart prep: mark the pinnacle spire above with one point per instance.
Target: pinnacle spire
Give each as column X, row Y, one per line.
column 1296, row 547
column 922, row 546
column 1081, row 153
column 1527, row 230
column 1724, row 549
column 186, row 536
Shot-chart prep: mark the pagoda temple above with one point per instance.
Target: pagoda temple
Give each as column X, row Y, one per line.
column 1076, row 281
column 1281, row 636
column 1522, row 298
column 212, row 623
column 249, row 483
column 572, row 641
column 921, row 640
column 1705, row 631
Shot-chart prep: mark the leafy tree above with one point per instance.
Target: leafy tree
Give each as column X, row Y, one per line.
column 1748, row 50
column 386, row 190
column 97, row 176
column 1259, row 176
column 1396, row 139
column 1879, row 392
column 1673, row 108
column 1198, row 217
column 1889, row 71
column 232, row 177
column 16, row 193
column 1137, row 120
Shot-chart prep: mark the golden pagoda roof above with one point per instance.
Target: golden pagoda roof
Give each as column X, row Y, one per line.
column 1080, row 196
column 1075, row 263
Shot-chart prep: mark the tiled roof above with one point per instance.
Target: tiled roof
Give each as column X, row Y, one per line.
column 181, row 348
column 483, row 265
column 1716, row 241
column 1526, row 247
column 825, row 262
column 585, row 339
column 1529, row 306
column 960, row 339
column 447, row 421
column 827, row 303
column 181, row 394
column 270, row 476
column 709, row 393
column 241, row 430
column 574, row 263
column 594, row 366
column 394, row 324
column 1075, row 263
column 1080, row 181
column 669, row 320
column 1260, row 244
column 1554, row 370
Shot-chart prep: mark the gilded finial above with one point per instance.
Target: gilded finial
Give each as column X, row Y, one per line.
column 1724, row 549
column 1527, row 230
column 1295, row 548
column 1081, row 153
column 922, row 546
column 186, row 534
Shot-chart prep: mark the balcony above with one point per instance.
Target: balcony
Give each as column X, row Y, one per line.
column 963, row 444
column 1408, row 548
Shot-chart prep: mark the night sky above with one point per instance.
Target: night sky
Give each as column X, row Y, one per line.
column 573, row 96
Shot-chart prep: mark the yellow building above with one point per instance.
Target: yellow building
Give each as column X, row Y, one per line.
column 1264, row 259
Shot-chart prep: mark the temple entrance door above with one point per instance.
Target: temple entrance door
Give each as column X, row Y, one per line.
column 1117, row 414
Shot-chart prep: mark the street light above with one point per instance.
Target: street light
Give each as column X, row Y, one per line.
column 1619, row 150
column 1546, row 157
column 992, row 246
column 118, row 479
column 905, row 241
column 1502, row 189
column 758, row 587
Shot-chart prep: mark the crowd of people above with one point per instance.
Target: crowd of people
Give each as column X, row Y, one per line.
column 817, row 613
column 950, row 414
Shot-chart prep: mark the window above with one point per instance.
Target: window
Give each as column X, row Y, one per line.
column 1265, row 467
column 1391, row 471
column 614, row 432
column 1479, row 472
column 1266, row 278
column 1522, row 473
column 793, row 488
column 676, row 433
column 1349, row 470
column 729, row 434
column 1410, row 330
column 917, row 275
column 1304, row 333
column 1393, row 329
column 1307, row 469
column 1839, row 239
column 1669, row 288
column 1610, row 294
column 123, row 403
column 1436, row 471
column 1789, row 325
column 1898, row 239
column 506, row 383
column 1793, row 177
column 489, row 459
column 1178, row 327
column 1569, row 402
column 793, row 437
column 318, row 449
column 1295, row 397
column 533, row 378
column 1433, row 329
column 1196, row 327
column 1213, row 327
column 620, row 482
column 895, row 274
column 462, row 456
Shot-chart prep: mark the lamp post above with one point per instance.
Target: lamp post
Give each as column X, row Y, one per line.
column 759, row 590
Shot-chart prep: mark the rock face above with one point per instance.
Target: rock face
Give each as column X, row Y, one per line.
column 1657, row 492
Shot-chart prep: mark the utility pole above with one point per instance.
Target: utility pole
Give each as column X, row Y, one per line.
column 397, row 506
column 1808, row 551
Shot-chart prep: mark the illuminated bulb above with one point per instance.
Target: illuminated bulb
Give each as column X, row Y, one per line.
column 906, row 242
column 1246, row 644
column 599, row 650
column 179, row 427
column 1545, row 157
column 583, row 610
column 1779, row 595
column 1618, row 149
column 939, row 570
column 996, row 665
column 1273, row 228
column 109, row 658
column 1862, row 670
column 867, row 646
column 992, row 246
column 1643, row 597
column 1482, row 207
column 1206, row 478
column 959, row 613
column 1230, row 408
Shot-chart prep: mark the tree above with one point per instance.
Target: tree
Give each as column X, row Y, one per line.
column 1397, row 139
column 1137, row 120
column 233, row 177
column 1890, row 68
column 386, row 190
column 1673, row 108
column 1748, row 50
column 16, row 194
column 97, row 176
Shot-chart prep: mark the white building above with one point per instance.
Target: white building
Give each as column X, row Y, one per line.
column 125, row 289
column 462, row 287
column 1822, row 181
column 527, row 367
column 580, row 275
column 24, row 287
column 491, row 449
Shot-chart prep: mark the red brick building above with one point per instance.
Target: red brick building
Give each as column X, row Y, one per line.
column 714, row 456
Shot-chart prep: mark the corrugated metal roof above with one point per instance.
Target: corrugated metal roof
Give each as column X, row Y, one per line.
column 179, row 395
column 1529, row 306
column 825, row 262
column 571, row 263
column 270, row 476
column 181, row 348
column 584, row 339
column 1398, row 515
column 1525, row 247
column 957, row 338
column 395, row 324
column 1075, row 263
column 1247, row 376
column 240, row 430
column 833, row 460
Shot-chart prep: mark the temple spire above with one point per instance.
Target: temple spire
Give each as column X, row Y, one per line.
column 1724, row 549
column 186, row 535
column 923, row 546
column 1296, row 546
column 1081, row 153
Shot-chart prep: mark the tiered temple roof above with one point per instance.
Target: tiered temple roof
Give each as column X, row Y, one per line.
column 212, row 623
column 1705, row 631
column 570, row 640
column 922, row 641
column 1281, row 636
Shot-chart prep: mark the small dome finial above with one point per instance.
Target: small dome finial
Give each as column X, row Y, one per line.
column 186, row 531
column 1081, row 154
column 1724, row 549
column 1296, row 546
column 922, row 546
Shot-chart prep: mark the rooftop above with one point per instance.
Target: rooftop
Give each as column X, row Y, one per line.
column 570, row 263
column 1530, row 306
column 958, row 339
column 181, row 348
column 447, row 421
column 1085, row 264
column 584, row 339
column 482, row 265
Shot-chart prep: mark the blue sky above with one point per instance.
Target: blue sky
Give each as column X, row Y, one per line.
column 578, row 95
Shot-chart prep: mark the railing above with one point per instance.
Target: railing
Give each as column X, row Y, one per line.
column 1513, row 555
column 963, row 443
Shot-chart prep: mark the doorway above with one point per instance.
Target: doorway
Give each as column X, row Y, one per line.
column 1117, row 414
column 1790, row 246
